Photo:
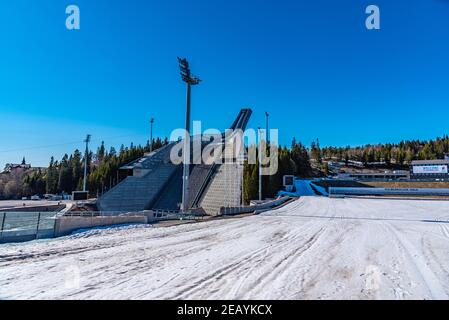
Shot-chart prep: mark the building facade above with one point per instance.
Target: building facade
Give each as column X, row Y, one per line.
column 430, row 170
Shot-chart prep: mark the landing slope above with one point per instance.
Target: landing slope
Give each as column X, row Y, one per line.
column 313, row 248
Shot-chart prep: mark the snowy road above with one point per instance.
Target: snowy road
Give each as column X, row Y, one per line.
column 314, row 248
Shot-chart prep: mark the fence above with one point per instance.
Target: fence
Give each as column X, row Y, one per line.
column 25, row 226
column 91, row 214
column 338, row 192
column 165, row 215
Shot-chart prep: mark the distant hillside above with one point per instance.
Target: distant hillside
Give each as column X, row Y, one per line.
column 11, row 183
column 400, row 154
column 66, row 175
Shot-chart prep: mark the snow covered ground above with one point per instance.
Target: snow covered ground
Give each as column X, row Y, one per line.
column 313, row 248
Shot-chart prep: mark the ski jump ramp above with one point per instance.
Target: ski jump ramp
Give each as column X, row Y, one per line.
column 155, row 183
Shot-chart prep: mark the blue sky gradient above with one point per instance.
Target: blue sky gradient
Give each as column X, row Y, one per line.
column 311, row 64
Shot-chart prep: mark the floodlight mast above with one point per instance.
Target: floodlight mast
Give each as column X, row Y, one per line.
column 87, row 140
column 268, row 137
column 190, row 80
column 260, row 163
column 151, row 134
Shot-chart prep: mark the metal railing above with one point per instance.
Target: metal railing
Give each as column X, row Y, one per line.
column 26, row 226
column 92, row 214
column 160, row 215
column 165, row 215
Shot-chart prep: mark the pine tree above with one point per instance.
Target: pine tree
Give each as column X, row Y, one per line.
column 77, row 169
column 52, row 177
column 65, row 176
column 101, row 153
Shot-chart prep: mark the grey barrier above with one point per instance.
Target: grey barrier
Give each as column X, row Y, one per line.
column 25, row 226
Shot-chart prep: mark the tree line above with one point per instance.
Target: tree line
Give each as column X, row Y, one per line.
column 67, row 174
column 400, row 154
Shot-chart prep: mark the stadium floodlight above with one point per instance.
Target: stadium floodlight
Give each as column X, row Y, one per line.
column 190, row 80
column 260, row 163
column 267, row 116
column 151, row 134
column 87, row 140
column 186, row 75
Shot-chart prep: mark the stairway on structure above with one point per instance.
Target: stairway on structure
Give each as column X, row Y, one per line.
column 138, row 193
column 224, row 190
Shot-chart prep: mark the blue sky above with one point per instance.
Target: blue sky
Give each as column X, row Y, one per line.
column 312, row 64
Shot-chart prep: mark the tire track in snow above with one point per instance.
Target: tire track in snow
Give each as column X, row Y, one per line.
column 293, row 206
column 444, row 230
column 419, row 264
column 304, row 268
column 318, row 266
column 244, row 263
column 283, row 262
column 438, row 258
column 200, row 284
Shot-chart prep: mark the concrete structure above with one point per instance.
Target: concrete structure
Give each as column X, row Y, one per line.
column 256, row 208
column 225, row 189
column 66, row 225
column 141, row 189
column 155, row 183
column 430, row 169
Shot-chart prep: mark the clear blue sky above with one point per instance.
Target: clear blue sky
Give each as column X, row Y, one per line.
column 311, row 64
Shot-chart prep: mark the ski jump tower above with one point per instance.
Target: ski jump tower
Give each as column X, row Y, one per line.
column 153, row 182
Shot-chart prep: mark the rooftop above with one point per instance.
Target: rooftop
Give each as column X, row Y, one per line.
column 430, row 162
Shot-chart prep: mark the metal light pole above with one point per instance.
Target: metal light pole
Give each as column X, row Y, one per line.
column 260, row 165
column 151, row 134
column 268, row 139
column 190, row 80
column 85, row 160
